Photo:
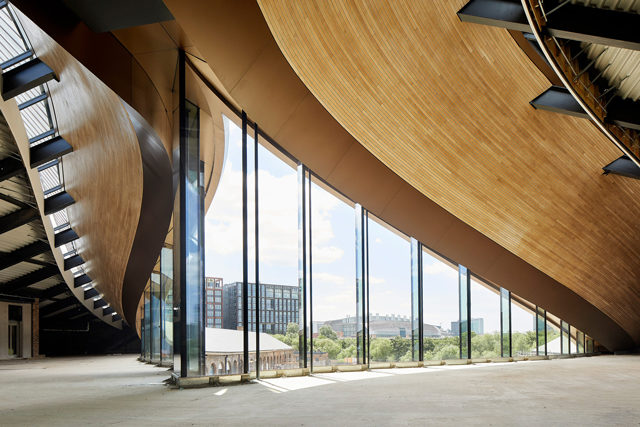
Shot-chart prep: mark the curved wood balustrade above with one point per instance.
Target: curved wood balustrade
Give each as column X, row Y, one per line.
column 104, row 171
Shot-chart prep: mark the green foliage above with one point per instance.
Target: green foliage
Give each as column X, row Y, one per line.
column 485, row 345
column 400, row 347
column 523, row 343
column 408, row 357
column 327, row 332
column 292, row 328
column 327, row 345
column 350, row 351
column 381, row 349
column 441, row 348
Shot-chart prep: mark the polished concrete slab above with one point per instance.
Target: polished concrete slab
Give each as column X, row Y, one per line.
column 120, row 390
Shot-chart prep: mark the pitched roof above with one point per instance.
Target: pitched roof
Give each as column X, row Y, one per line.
column 230, row 341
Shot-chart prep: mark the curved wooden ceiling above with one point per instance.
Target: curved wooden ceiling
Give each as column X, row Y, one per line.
column 446, row 106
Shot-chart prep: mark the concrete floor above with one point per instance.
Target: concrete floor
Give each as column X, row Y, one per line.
column 119, row 390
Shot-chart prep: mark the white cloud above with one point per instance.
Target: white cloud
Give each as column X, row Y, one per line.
column 278, row 210
column 440, row 268
column 376, row 280
column 328, row 278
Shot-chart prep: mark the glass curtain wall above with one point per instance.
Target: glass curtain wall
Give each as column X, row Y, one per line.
column 389, row 293
column 192, row 296
column 166, row 304
column 579, row 342
column 564, row 338
column 143, row 331
column 278, row 260
column 253, row 244
column 147, row 324
column 362, row 285
column 156, row 318
column 588, row 344
column 573, row 340
column 440, row 307
column 523, row 327
column 333, row 277
column 417, row 331
column 464, row 304
column 505, row 322
column 541, row 325
column 485, row 319
column 553, row 335
column 224, row 258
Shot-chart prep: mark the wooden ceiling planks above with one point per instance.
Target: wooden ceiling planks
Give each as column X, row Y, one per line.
column 445, row 105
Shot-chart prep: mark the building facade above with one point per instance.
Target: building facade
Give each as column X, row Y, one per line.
column 225, row 356
column 477, row 327
column 278, row 307
column 214, row 307
column 380, row 326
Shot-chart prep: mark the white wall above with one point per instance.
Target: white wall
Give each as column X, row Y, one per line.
column 4, row 329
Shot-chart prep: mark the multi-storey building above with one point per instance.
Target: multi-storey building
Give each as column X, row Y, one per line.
column 477, row 327
column 278, row 307
column 213, row 302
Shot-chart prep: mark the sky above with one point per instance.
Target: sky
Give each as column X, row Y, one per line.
column 333, row 231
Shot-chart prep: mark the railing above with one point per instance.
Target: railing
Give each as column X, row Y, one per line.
column 581, row 82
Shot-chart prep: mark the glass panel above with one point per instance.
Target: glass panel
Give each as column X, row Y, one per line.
column 580, row 342
column 278, row 246
column 416, row 289
column 523, row 327
column 302, row 244
column 194, row 286
column 156, row 318
column 166, row 302
column 389, row 293
column 223, row 261
column 505, row 322
column 553, row 334
column 334, row 271
column 147, row 324
column 542, row 331
column 565, row 337
column 143, row 332
column 485, row 320
column 440, row 308
column 572, row 340
column 588, row 345
column 462, row 327
column 361, row 247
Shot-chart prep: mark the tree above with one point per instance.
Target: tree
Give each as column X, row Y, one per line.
column 381, row 349
column 327, row 345
column 292, row 328
column 328, row 332
column 400, row 347
column 485, row 345
column 447, row 352
column 348, row 352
